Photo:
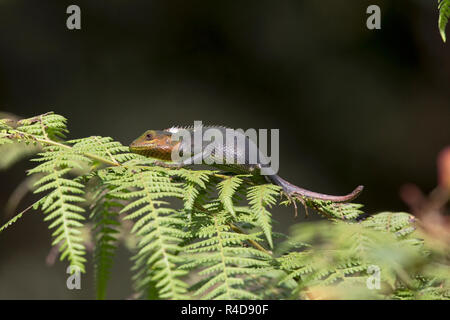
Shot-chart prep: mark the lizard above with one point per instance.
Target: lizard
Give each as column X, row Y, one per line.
column 160, row 145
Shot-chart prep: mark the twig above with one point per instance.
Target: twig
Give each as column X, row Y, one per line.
column 17, row 216
column 253, row 243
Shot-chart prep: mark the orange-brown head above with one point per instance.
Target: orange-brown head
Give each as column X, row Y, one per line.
column 155, row 144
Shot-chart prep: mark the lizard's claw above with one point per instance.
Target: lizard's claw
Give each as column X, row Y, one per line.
column 292, row 197
column 302, row 201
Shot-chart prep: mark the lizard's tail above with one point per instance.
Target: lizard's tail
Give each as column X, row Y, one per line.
column 294, row 191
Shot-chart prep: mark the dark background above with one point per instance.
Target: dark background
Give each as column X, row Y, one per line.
column 354, row 106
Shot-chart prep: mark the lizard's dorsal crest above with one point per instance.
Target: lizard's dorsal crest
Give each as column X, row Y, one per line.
column 175, row 129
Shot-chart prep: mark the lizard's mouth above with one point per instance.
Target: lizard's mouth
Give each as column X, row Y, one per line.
column 152, row 150
column 140, row 149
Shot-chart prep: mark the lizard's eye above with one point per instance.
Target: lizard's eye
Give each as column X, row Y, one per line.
column 149, row 136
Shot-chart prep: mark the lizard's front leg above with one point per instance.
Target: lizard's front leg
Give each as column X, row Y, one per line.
column 186, row 162
column 163, row 164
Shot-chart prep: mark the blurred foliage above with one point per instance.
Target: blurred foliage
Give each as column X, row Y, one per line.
column 444, row 15
column 346, row 260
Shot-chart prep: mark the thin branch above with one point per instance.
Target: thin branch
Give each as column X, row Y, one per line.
column 252, row 242
column 17, row 216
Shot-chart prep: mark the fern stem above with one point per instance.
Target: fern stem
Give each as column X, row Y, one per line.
column 89, row 155
column 17, row 216
column 255, row 244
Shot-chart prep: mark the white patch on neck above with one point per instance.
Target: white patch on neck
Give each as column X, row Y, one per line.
column 173, row 130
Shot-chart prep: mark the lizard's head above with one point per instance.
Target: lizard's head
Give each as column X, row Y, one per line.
column 155, row 144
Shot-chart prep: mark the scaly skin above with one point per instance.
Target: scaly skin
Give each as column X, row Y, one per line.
column 158, row 144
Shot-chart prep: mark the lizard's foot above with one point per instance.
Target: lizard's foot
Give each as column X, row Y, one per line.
column 293, row 197
column 167, row 165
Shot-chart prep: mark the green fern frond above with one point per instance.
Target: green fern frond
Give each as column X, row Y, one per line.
column 224, row 259
column 260, row 197
column 340, row 253
column 104, row 147
column 336, row 210
column 199, row 177
column 105, row 217
column 48, row 125
column 159, row 228
column 227, row 189
column 400, row 223
column 312, row 268
column 61, row 203
column 195, row 181
column 12, row 152
column 444, row 16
